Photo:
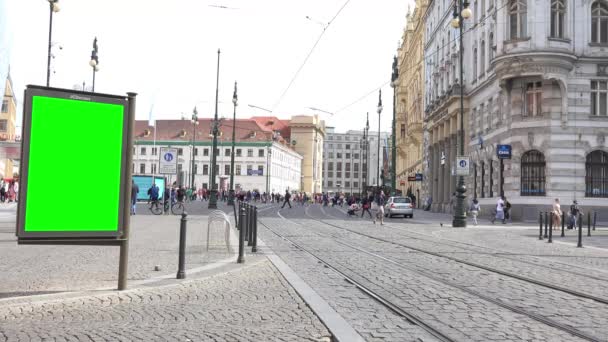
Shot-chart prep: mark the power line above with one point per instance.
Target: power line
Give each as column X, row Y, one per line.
column 308, row 56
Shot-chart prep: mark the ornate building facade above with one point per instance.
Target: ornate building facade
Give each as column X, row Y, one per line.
column 539, row 83
column 410, row 102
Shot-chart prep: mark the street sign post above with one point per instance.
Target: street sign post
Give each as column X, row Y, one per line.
column 503, row 151
column 462, row 166
column 168, row 161
column 98, row 128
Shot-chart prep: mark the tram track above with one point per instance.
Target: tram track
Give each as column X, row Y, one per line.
column 537, row 317
column 473, row 264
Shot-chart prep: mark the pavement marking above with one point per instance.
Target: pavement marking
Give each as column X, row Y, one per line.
column 336, row 324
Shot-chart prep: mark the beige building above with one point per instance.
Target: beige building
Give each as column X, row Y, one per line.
column 410, row 102
column 307, row 136
column 8, row 115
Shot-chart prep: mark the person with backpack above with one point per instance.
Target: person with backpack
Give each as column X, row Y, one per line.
column 154, row 193
column 287, row 197
column 575, row 211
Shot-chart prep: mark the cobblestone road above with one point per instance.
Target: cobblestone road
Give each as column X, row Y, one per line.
column 251, row 304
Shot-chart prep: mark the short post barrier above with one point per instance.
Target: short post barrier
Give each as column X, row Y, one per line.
column 594, row 219
column 254, row 247
column 181, row 272
column 250, row 228
column 550, row 229
column 236, row 218
column 540, row 223
column 546, row 224
column 242, row 219
column 589, row 224
column 580, row 231
column 246, row 225
column 563, row 223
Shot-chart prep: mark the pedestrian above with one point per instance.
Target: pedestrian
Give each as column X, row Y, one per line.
column 181, row 193
column 475, row 210
column 287, row 197
column 154, row 192
column 380, row 201
column 365, row 207
column 134, row 192
column 575, row 211
column 500, row 213
column 556, row 214
column 506, row 209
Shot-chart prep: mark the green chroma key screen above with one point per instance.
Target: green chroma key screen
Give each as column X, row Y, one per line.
column 74, row 168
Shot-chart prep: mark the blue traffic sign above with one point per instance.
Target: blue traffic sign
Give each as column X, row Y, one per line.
column 168, row 156
column 503, row 151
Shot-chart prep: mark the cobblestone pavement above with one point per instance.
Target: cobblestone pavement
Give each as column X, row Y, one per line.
column 393, row 280
column 154, row 241
column 253, row 303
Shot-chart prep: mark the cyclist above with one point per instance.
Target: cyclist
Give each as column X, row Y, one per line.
column 154, row 192
column 181, row 193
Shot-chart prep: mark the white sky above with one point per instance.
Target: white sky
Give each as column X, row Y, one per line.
column 169, row 48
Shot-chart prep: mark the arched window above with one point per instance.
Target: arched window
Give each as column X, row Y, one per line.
column 599, row 22
column 518, row 18
column 474, row 65
column 558, row 13
column 491, row 47
column 596, row 176
column 482, row 58
column 533, row 174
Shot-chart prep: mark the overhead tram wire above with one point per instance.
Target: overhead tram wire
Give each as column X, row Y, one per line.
column 308, row 56
column 469, row 30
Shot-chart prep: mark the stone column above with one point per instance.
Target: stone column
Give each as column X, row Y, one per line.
column 441, row 177
column 435, row 174
column 454, row 179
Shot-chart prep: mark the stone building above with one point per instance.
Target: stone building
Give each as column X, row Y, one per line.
column 410, row 102
column 538, row 82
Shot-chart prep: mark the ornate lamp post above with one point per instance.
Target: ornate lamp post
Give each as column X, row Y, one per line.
column 394, row 79
column 379, row 110
column 54, row 8
column 213, row 191
column 94, row 62
column 366, row 152
column 235, row 101
column 194, row 124
column 461, row 11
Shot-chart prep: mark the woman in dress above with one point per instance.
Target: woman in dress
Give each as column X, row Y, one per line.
column 556, row 214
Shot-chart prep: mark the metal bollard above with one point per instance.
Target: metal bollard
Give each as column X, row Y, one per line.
column 236, row 218
column 546, row 224
column 250, row 228
column 594, row 219
column 540, row 222
column 181, row 273
column 550, row 229
column 241, row 258
column 563, row 223
column 246, row 224
column 580, row 231
column 589, row 224
column 254, row 248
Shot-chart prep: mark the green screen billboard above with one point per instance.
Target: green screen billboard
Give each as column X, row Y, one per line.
column 73, row 142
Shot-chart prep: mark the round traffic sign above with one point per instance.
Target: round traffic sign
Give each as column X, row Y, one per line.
column 463, row 163
column 168, row 156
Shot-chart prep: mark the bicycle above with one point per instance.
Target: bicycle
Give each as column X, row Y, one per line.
column 177, row 208
column 155, row 207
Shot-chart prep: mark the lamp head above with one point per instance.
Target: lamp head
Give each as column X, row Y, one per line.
column 455, row 23
column 466, row 13
column 54, row 5
column 93, row 63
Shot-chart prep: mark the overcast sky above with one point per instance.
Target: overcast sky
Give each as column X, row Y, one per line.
column 166, row 51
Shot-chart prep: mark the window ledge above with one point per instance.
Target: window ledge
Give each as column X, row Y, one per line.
column 557, row 39
column 517, row 40
column 598, row 117
column 598, row 44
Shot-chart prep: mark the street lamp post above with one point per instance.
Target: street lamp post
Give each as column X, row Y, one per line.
column 394, row 78
column 94, row 62
column 213, row 191
column 194, row 124
column 379, row 110
column 235, row 101
column 268, row 156
column 54, row 8
column 366, row 151
column 461, row 11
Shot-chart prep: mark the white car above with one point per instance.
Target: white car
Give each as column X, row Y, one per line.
column 399, row 206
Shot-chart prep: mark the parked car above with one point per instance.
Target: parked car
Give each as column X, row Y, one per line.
column 399, row 206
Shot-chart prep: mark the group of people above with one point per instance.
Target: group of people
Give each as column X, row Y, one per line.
column 9, row 191
column 571, row 218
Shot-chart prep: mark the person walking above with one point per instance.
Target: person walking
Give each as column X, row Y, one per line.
column 575, row 211
column 556, row 214
column 380, row 201
column 500, row 213
column 287, row 197
column 475, row 210
column 154, row 192
column 506, row 209
column 365, row 205
column 134, row 192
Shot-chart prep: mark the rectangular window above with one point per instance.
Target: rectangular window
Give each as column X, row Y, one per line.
column 142, row 151
column 356, row 184
column 347, row 184
column 330, row 166
column 227, row 169
column 249, row 168
column 260, row 153
column 330, row 184
column 339, row 146
column 237, row 171
column 195, row 171
column 153, row 169
column 356, row 174
column 331, row 154
column 347, row 174
column 4, row 106
column 534, row 96
column 205, row 152
column 558, row 10
column 260, row 170
column 217, row 151
column 338, row 155
column 339, row 174
column 347, row 165
column 217, row 170
column 205, row 186
column 348, row 156
column 180, row 151
column 599, row 98
column 154, row 151
column 250, row 153
column 180, row 167
column 347, row 146
column 205, row 169
column 239, row 152
column 142, row 168
column 3, row 125
column 227, row 152
column 356, row 156
column 330, row 174
column 339, row 166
